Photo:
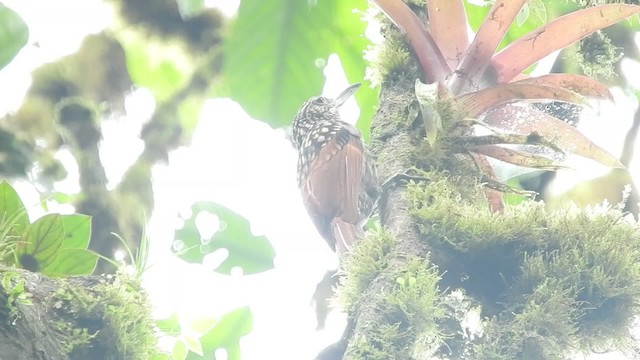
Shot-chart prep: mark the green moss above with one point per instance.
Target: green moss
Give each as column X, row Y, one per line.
column 597, row 56
column 364, row 263
column 407, row 310
column 129, row 315
column 115, row 311
column 414, row 302
column 415, row 293
column 12, row 293
column 390, row 59
column 406, row 315
column 381, row 343
column 551, row 281
column 74, row 337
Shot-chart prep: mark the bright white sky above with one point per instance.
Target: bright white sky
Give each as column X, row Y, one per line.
column 257, row 182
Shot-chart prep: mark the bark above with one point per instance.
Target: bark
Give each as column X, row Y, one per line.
column 393, row 141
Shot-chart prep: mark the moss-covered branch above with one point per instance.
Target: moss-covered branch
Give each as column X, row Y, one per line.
column 86, row 317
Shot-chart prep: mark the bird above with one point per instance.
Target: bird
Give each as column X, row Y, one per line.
column 336, row 174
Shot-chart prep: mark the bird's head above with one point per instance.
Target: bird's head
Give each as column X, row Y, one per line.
column 319, row 109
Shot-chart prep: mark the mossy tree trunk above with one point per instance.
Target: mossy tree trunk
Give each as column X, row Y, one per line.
column 84, row 317
column 545, row 284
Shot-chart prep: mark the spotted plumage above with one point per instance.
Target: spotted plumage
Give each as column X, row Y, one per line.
column 336, row 174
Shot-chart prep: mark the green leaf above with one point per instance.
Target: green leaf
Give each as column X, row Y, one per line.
column 71, row 262
column 73, row 258
column 42, row 241
column 203, row 324
column 276, row 50
column 226, row 334
column 251, row 253
column 14, row 34
column 12, row 209
column 179, row 351
column 77, row 231
column 193, row 345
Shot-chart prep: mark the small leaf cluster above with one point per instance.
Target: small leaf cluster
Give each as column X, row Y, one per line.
column 55, row 245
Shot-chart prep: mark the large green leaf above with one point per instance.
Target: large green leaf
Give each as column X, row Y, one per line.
column 56, row 245
column 253, row 254
column 72, row 261
column 41, row 243
column 73, row 257
column 276, row 50
column 12, row 211
column 77, row 231
column 14, row 34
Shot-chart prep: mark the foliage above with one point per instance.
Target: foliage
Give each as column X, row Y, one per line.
column 202, row 338
column 246, row 251
column 275, row 52
column 55, row 245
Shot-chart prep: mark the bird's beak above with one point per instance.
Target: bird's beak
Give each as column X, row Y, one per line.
column 346, row 94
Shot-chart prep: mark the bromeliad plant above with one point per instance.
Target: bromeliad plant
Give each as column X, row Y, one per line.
column 490, row 89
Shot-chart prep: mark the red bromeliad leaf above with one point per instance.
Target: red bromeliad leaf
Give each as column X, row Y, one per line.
column 478, row 55
column 516, row 157
column 580, row 84
column 448, row 26
column 431, row 60
column 519, row 119
column 478, row 102
column 557, row 34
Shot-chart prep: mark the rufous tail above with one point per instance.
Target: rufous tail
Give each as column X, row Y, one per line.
column 345, row 234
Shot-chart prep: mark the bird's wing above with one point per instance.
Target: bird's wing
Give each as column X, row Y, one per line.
column 333, row 182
